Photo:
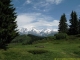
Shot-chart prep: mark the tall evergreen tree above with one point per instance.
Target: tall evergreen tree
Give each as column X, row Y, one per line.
column 8, row 24
column 73, row 30
column 63, row 27
column 79, row 25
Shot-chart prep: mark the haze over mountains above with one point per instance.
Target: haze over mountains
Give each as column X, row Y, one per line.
column 36, row 32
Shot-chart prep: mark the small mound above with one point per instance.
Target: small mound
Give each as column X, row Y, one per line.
column 37, row 51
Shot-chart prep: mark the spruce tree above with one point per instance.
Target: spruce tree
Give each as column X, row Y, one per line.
column 8, row 24
column 79, row 26
column 73, row 30
column 63, row 27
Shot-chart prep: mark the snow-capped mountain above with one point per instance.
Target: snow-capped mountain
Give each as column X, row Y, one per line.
column 33, row 31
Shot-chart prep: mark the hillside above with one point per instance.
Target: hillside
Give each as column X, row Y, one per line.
column 44, row 51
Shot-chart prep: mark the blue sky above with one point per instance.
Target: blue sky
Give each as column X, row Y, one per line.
column 43, row 14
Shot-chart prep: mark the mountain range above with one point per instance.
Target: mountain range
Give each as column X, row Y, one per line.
column 33, row 31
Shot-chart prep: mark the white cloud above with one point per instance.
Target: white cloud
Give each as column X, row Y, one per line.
column 58, row 1
column 36, row 20
column 54, row 1
column 44, row 1
column 28, row 1
column 45, row 4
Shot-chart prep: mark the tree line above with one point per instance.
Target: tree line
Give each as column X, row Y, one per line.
column 73, row 28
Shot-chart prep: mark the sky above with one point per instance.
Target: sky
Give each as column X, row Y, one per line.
column 43, row 14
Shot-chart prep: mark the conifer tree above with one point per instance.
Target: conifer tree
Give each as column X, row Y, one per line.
column 63, row 27
column 79, row 26
column 8, row 24
column 73, row 30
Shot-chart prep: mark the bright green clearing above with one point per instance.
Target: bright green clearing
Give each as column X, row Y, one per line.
column 57, row 50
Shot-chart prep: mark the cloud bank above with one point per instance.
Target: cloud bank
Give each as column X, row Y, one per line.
column 36, row 20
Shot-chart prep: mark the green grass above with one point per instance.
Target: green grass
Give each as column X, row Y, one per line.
column 57, row 50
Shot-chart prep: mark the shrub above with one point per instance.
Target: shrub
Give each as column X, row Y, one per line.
column 61, row 36
column 37, row 51
column 77, row 52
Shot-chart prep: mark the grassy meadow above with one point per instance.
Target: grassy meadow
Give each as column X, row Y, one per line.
column 51, row 50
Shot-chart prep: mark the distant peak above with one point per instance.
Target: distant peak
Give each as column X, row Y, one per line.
column 42, row 32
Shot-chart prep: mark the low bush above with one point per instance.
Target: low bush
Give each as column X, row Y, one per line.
column 37, row 51
column 79, row 46
column 61, row 36
column 77, row 52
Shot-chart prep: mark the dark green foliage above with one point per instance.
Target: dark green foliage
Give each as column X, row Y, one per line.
column 79, row 46
column 79, row 26
column 50, row 38
column 74, row 27
column 73, row 30
column 61, row 36
column 37, row 51
column 24, row 39
column 35, row 38
column 77, row 52
column 7, row 23
column 45, row 39
column 63, row 27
